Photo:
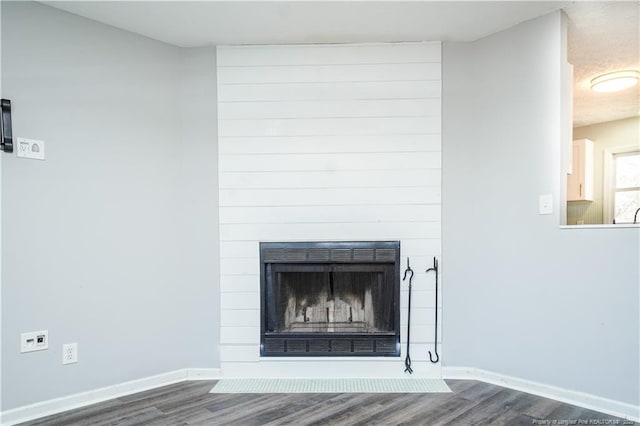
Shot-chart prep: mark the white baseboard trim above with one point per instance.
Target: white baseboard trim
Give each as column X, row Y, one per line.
column 581, row 399
column 203, row 373
column 57, row 405
column 82, row 399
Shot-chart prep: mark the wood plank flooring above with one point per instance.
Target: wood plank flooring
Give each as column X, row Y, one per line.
column 190, row 403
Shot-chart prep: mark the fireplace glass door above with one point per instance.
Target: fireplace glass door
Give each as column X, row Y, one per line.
column 327, row 298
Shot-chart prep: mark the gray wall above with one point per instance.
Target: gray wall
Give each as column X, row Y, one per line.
column 106, row 242
column 525, row 298
column 200, row 304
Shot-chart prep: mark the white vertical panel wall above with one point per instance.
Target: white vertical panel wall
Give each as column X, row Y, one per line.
column 322, row 143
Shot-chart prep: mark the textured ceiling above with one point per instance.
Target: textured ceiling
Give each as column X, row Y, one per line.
column 603, row 37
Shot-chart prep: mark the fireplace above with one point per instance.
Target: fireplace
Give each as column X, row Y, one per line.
column 330, row 299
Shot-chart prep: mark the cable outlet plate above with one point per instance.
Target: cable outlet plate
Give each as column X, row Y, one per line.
column 69, row 353
column 34, row 341
column 30, row 148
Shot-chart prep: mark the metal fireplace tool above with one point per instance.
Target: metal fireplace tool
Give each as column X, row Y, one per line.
column 435, row 350
column 407, row 360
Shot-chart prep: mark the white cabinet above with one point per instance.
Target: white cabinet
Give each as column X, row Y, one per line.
column 580, row 181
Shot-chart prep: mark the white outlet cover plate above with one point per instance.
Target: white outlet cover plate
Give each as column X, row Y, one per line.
column 69, row 353
column 30, row 148
column 545, row 204
column 34, row 341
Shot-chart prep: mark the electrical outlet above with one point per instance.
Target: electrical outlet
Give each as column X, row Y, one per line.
column 30, row 148
column 69, row 353
column 34, row 341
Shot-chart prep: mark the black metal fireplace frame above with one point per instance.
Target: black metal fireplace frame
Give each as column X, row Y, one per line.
column 382, row 344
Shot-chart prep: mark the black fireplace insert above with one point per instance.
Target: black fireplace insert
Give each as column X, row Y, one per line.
column 330, row 298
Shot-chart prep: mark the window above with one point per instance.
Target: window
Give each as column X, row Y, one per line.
column 624, row 185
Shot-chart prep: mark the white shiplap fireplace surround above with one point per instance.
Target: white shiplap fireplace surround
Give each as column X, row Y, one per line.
column 327, row 143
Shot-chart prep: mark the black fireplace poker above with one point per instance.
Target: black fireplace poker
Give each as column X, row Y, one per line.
column 407, row 360
column 435, row 350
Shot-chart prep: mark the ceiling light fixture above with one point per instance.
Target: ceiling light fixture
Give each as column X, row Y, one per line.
column 614, row 81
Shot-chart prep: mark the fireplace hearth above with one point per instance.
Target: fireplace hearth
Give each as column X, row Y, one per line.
column 330, row 298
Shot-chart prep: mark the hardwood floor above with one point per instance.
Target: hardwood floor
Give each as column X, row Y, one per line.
column 190, row 403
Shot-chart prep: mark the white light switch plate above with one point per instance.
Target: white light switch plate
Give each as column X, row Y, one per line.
column 545, row 204
column 34, row 341
column 30, row 148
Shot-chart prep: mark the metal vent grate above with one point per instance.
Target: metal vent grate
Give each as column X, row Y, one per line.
column 363, row 345
column 385, row 345
column 296, row 254
column 363, row 252
column 341, row 255
column 274, row 255
column 385, row 255
column 327, row 346
column 341, row 346
column 363, row 255
column 273, row 346
column 318, row 345
column 318, row 254
column 297, row 346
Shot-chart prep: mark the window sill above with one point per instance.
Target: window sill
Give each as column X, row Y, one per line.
column 601, row 226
